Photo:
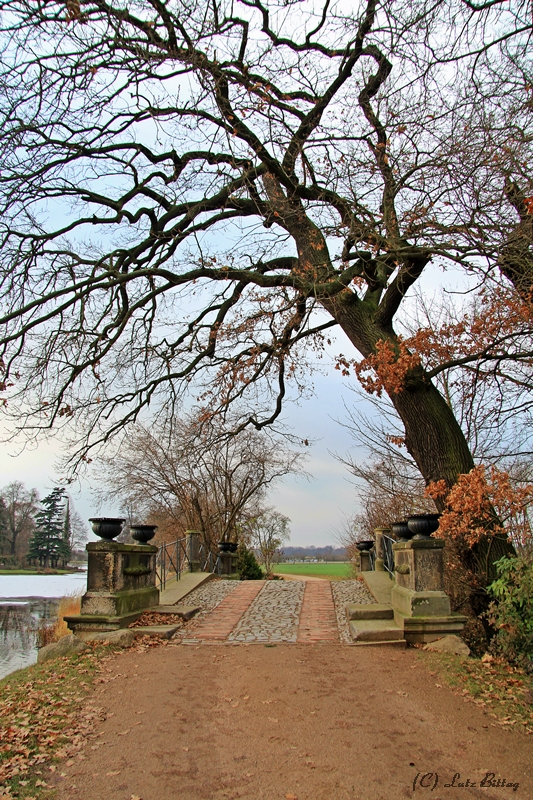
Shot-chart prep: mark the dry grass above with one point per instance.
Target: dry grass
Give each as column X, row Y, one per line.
column 51, row 632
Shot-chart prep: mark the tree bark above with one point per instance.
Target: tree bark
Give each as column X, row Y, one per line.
column 433, row 437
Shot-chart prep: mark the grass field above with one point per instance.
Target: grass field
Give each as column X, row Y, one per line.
column 36, row 571
column 335, row 571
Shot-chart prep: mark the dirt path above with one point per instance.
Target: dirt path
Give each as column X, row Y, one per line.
column 313, row 722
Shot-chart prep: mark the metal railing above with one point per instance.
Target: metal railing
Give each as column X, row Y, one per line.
column 171, row 561
column 388, row 554
column 174, row 558
column 209, row 561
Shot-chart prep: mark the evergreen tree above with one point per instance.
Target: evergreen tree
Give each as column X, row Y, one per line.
column 49, row 545
column 4, row 543
column 247, row 566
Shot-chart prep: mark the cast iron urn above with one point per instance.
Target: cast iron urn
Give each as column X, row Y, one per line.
column 227, row 547
column 142, row 533
column 107, row 527
column 365, row 545
column 401, row 532
column 423, row 525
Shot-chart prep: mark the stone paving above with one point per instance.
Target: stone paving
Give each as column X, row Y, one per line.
column 345, row 592
column 274, row 614
column 273, row 611
column 219, row 623
column 318, row 622
column 209, row 595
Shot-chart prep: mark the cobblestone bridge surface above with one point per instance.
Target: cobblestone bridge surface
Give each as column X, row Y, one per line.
column 273, row 611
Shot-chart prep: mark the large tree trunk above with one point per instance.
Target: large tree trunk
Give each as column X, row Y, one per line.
column 434, row 439
column 433, row 436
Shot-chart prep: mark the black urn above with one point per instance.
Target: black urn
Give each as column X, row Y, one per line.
column 107, row 527
column 423, row 525
column 142, row 533
column 365, row 545
column 401, row 532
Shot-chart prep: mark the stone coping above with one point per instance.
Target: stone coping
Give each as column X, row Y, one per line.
column 419, row 544
column 176, row 590
column 110, row 546
column 380, row 586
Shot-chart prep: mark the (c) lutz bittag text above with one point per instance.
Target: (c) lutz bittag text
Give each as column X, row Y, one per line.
column 430, row 780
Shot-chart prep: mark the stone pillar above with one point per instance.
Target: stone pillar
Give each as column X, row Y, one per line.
column 378, row 533
column 121, row 582
column 365, row 561
column 228, row 563
column 193, row 550
column 418, row 597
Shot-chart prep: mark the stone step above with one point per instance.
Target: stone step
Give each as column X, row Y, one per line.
column 381, row 643
column 375, row 630
column 165, row 631
column 186, row 612
column 369, row 611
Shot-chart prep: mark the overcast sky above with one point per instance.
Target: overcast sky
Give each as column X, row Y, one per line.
column 316, row 507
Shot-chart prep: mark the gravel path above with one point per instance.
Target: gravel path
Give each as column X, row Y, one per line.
column 274, row 614
column 345, row 592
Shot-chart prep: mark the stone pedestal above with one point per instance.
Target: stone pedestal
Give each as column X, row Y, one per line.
column 193, row 550
column 361, row 561
column 380, row 560
column 121, row 582
column 418, row 598
column 228, row 564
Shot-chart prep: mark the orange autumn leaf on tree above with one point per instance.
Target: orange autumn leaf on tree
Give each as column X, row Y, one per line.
column 388, row 367
column 528, row 201
column 484, row 502
column 495, row 330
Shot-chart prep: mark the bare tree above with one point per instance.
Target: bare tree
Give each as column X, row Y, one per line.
column 185, row 475
column 267, row 531
column 193, row 195
column 21, row 507
column 78, row 529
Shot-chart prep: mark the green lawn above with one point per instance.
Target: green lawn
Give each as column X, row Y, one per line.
column 36, row 572
column 335, row 571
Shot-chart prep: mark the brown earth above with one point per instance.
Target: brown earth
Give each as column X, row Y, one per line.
column 312, row 722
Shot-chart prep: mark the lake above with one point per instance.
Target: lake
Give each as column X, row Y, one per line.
column 24, row 601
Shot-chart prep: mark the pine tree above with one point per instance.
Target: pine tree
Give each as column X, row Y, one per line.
column 49, row 545
column 4, row 544
column 247, row 566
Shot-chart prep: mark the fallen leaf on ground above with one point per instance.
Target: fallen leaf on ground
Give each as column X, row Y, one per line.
column 113, row 772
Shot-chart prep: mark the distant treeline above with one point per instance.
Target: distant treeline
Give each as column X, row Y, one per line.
column 325, row 553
